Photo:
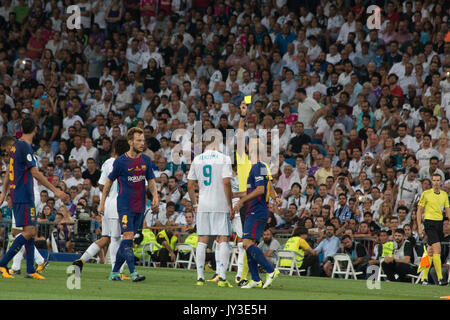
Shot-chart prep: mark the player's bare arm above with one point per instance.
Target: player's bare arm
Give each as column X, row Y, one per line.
column 228, row 195
column 419, row 220
column 259, row 190
column 273, row 194
column 105, row 192
column 5, row 188
column 191, row 191
column 154, row 192
column 241, row 126
column 43, row 180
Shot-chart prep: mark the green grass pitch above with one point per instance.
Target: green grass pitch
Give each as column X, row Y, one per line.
column 179, row 284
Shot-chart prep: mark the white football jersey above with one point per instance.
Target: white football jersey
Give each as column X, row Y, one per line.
column 209, row 168
column 111, row 200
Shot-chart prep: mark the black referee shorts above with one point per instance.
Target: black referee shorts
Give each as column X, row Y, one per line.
column 434, row 231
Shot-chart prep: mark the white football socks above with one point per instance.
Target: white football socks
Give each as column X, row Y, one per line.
column 200, row 256
column 240, row 259
column 90, row 252
column 224, row 254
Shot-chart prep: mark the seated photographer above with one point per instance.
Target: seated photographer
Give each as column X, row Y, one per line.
column 168, row 239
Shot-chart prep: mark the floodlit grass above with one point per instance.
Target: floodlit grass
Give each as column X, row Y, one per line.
column 179, row 284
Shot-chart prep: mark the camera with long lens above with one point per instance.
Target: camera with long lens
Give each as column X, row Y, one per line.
column 83, row 230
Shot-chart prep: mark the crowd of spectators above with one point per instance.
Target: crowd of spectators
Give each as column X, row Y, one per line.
column 363, row 114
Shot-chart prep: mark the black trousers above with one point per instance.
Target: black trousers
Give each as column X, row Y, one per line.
column 400, row 268
column 311, row 261
column 162, row 256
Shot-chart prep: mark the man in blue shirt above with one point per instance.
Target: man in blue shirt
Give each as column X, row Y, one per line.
column 131, row 170
column 19, row 179
column 256, row 219
column 284, row 37
column 328, row 247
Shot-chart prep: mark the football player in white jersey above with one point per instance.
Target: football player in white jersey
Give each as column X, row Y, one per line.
column 6, row 144
column 212, row 171
column 110, row 220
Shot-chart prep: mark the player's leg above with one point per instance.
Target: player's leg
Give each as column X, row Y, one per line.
column 256, row 253
column 236, row 225
column 135, row 222
column 127, row 236
column 17, row 261
column 20, row 240
column 252, row 267
column 94, row 249
column 222, row 227
column 200, row 253
column 242, row 215
column 115, row 244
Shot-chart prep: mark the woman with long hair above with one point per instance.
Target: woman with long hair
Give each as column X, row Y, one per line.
column 388, row 145
column 385, row 212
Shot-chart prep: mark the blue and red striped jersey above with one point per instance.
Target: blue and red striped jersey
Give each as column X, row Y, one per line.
column 131, row 174
column 258, row 176
column 21, row 180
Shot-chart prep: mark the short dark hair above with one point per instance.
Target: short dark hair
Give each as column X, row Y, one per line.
column 345, row 236
column 399, row 230
column 301, row 90
column 28, row 125
column 120, row 145
column 402, row 208
column 298, row 231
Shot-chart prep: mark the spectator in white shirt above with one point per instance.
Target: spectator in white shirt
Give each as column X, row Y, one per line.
column 69, row 121
column 289, row 85
column 346, row 28
column 76, row 179
column 133, row 56
column 78, row 151
column 426, row 152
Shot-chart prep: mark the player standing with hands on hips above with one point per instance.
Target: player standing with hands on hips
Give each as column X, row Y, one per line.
column 433, row 201
column 19, row 179
column 130, row 170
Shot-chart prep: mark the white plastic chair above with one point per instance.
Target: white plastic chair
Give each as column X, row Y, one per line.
column 185, row 247
column 381, row 273
column 148, row 247
column 289, row 255
column 349, row 271
column 234, row 253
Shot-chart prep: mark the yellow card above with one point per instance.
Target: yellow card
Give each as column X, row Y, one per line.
column 248, row 99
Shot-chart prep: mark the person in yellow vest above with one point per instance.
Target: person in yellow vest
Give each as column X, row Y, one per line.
column 385, row 248
column 432, row 203
column 307, row 257
column 147, row 236
column 244, row 165
column 168, row 240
